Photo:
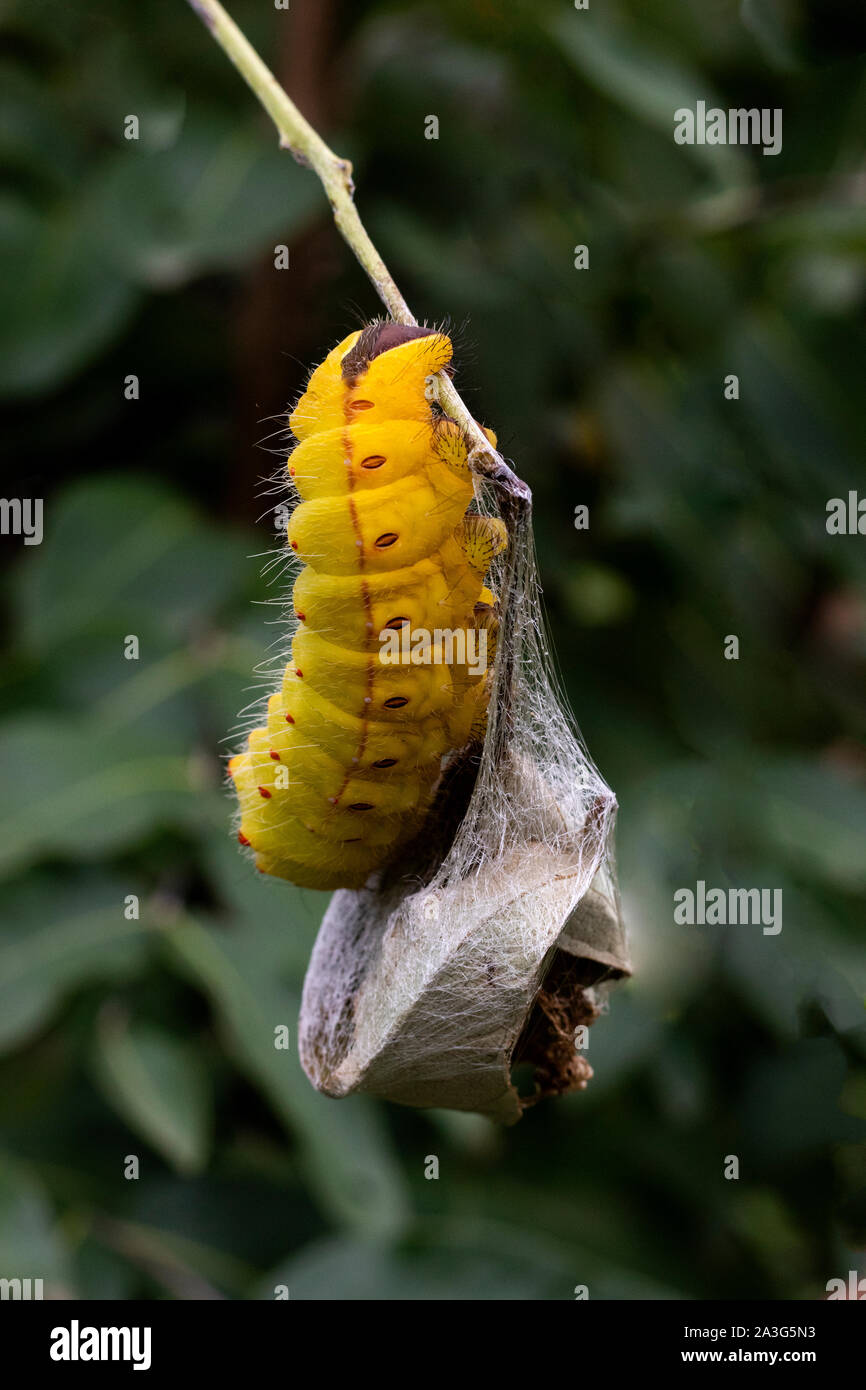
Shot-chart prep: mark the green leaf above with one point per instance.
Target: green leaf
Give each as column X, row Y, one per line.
column 71, row 788
column 817, row 819
column 346, row 1155
column 124, row 554
column 212, row 198
column 34, row 136
column 60, row 303
column 646, row 81
column 31, row 1246
column 772, row 24
column 69, row 274
column 791, row 1104
column 53, row 941
column 158, row 1085
column 468, row 1258
column 347, row 1270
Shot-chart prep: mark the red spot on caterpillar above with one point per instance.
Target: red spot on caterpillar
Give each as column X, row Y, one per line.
column 301, row 617
column 387, row 538
column 263, row 791
column 397, row 702
column 299, row 674
column 385, row 762
column 291, row 472
column 396, row 623
column 276, row 757
column 361, row 806
column 289, row 719
column 294, row 545
column 361, row 405
column 373, row 461
column 242, row 839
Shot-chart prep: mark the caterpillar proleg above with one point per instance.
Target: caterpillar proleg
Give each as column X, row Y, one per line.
column 346, row 766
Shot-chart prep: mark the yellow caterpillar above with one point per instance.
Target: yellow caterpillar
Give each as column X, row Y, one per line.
column 347, row 766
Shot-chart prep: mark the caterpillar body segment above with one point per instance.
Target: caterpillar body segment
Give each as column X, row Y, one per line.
column 396, row 741
column 332, row 533
column 427, row 593
column 391, row 658
column 368, row 456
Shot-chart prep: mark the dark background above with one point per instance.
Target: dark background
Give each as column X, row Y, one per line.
column 707, row 518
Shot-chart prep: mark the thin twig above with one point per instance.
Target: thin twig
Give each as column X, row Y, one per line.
column 335, row 174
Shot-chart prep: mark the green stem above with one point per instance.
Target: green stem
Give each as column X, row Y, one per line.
column 335, row 174
column 297, row 135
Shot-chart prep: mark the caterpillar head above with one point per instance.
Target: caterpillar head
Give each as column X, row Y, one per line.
column 382, row 336
column 376, row 374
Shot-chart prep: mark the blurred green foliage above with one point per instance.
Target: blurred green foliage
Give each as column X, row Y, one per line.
column 154, row 1036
